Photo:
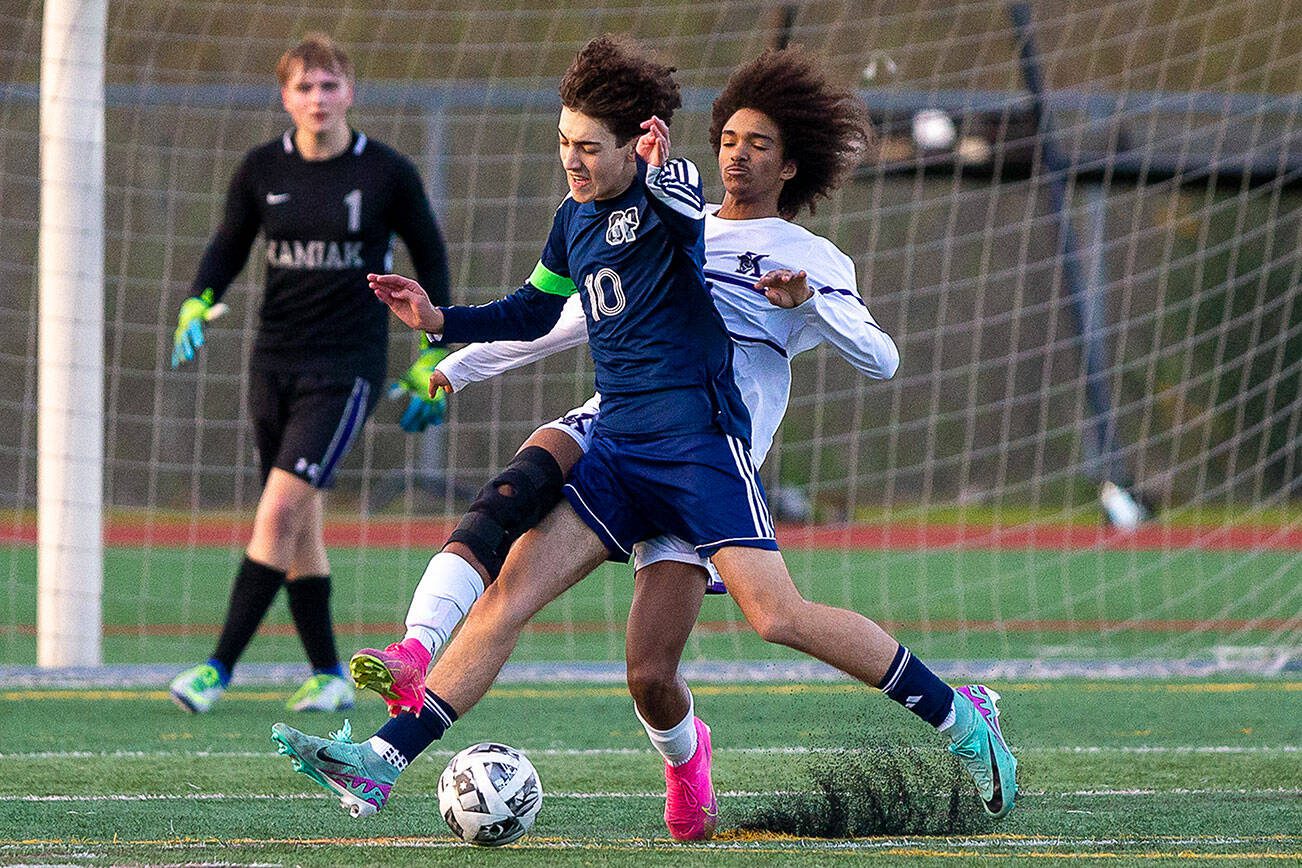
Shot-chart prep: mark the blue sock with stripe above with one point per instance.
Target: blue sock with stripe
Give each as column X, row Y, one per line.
column 910, row 683
column 406, row 736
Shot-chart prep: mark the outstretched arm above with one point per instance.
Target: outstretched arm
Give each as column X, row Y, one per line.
column 836, row 315
column 526, row 314
column 408, row 301
column 484, row 361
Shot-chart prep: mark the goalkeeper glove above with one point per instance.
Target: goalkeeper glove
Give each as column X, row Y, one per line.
column 422, row 409
column 188, row 337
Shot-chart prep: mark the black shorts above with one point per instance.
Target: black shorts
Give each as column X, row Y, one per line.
column 305, row 423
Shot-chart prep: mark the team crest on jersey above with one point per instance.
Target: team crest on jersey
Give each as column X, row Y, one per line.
column 622, row 227
column 749, row 263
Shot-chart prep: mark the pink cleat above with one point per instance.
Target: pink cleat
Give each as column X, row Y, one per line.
column 397, row 673
column 691, row 810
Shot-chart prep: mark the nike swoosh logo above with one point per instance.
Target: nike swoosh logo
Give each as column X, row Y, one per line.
column 277, row 198
column 327, row 758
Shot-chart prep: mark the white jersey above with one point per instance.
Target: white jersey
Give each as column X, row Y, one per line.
column 765, row 337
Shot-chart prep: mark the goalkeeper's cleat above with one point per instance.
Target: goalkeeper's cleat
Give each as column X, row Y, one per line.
column 355, row 773
column 980, row 745
column 198, row 688
column 691, row 809
column 397, row 673
column 322, row 692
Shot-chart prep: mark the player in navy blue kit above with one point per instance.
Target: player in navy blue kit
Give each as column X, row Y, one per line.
column 328, row 201
column 669, row 453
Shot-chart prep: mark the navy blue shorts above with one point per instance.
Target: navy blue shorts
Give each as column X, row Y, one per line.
column 700, row 487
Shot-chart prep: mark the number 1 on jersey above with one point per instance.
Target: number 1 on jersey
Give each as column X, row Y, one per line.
column 354, row 202
column 605, row 292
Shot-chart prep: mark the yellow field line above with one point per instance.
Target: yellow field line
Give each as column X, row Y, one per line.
column 561, row 692
column 98, row 695
column 781, row 845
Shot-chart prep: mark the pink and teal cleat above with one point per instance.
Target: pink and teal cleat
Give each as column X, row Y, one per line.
column 979, row 743
column 397, row 673
column 691, row 810
column 355, row 773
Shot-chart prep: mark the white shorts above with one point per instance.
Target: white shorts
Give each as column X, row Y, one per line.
column 671, row 548
column 578, row 424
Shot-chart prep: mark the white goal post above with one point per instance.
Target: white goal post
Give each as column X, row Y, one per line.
column 71, row 356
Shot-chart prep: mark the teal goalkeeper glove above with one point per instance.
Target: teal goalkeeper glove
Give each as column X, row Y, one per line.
column 188, row 337
column 422, row 410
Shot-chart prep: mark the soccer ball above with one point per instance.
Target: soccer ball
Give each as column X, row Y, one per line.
column 489, row 794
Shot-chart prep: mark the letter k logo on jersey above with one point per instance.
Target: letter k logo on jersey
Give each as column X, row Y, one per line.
column 622, row 227
column 749, row 263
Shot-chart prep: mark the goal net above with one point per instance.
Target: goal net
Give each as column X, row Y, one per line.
column 1081, row 222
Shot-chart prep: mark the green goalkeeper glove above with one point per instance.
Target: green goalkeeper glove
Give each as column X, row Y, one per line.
column 422, row 409
column 188, row 337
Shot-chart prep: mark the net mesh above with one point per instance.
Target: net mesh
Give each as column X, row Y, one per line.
column 957, row 503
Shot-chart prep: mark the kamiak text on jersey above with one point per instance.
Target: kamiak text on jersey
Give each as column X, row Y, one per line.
column 315, row 255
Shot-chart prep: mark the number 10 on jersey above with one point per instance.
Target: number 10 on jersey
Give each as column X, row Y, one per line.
column 605, row 292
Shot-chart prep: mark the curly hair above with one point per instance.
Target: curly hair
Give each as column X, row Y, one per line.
column 617, row 82
column 825, row 130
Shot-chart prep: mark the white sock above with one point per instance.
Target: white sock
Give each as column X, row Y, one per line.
column 445, row 594
column 387, row 752
column 949, row 720
column 678, row 743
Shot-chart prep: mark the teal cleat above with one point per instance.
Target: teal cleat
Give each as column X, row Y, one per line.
column 979, row 743
column 355, row 773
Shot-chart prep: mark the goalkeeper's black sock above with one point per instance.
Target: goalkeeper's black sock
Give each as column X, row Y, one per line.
column 255, row 587
column 910, row 683
column 309, row 603
column 406, row 736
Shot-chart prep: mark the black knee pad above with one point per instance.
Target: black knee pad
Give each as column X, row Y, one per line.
column 496, row 519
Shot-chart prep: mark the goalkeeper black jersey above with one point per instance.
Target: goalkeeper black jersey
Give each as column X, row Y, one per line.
column 326, row 224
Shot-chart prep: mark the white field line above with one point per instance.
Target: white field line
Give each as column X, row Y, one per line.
column 778, row 750
column 256, row 797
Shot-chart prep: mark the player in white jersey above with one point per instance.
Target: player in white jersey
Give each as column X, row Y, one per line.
column 767, row 335
column 738, row 252
column 780, row 290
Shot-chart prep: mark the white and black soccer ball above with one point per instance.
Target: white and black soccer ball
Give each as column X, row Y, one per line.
column 489, row 794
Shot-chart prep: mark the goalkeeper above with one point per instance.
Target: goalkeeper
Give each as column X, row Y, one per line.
column 328, row 201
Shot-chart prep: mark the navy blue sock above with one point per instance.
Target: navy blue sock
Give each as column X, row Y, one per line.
column 410, row 735
column 337, row 670
column 910, row 683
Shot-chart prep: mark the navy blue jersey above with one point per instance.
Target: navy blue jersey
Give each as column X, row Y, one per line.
column 663, row 358
column 327, row 223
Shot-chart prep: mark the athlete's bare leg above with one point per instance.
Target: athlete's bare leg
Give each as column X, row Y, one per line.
column 666, row 602
column 758, row 580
